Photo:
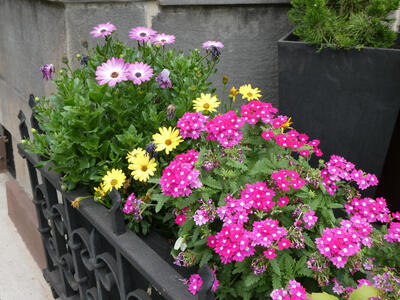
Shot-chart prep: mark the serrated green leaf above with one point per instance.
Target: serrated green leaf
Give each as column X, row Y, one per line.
column 211, row 182
column 207, row 255
column 251, row 279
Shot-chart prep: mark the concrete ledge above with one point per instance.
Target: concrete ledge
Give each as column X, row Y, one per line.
column 22, row 213
column 219, row 2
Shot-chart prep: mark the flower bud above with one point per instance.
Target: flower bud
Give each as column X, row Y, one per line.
column 33, row 130
column 225, row 79
column 121, row 56
column 85, row 44
column 37, row 99
column 193, row 88
column 64, row 59
column 24, row 141
column 61, row 71
column 78, row 56
column 171, row 112
column 64, row 187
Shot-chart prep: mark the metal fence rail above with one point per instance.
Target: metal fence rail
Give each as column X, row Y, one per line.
column 89, row 253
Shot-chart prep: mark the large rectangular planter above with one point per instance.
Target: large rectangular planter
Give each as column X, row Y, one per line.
column 89, row 254
column 349, row 99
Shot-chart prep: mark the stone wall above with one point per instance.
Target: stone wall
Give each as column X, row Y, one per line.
column 35, row 32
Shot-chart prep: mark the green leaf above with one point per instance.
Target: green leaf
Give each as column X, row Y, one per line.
column 207, row 255
column 161, row 199
column 211, row 182
column 251, row 279
column 364, row 293
column 275, row 267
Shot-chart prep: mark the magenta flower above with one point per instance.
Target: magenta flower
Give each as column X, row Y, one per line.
column 47, row 70
column 195, row 283
column 142, row 34
column 163, row 39
column 209, row 44
column 139, row 72
column 270, row 253
column 112, row 71
column 103, row 30
column 132, row 206
column 163, row 79
column 192, row 124
column 180, row 219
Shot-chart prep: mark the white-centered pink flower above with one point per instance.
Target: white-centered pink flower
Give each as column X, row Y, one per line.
column 112, row 71
column 163, row 39
column 142, row 34
column 209, row 44
column 139, row 72
column 103, row 30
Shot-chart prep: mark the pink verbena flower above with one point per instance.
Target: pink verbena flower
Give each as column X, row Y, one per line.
column 180, row 219
column 216, row 282
column 282, row 201
column 286, row 179
column 232, row 243
column 112, row 71
column 209, row 44
column 132, row 206
column 393, row 234
column 370, row 209
column 294, row 291
column 267, row 135
column 139, row 72
column 47, row 70
column 195, row 283
column 310, row 219
column 163, row 39
column 270, row 253
column 163, row 79
column 180, row 176
column 103, row 30
column 200, row 217
column 258, row 196
column 256, row 110
column 192, row 124
column 267, row 232
column 225, row 129
column 142, row 34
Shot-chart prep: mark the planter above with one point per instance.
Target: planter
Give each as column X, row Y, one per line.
column 347, row 99
column 90, row 254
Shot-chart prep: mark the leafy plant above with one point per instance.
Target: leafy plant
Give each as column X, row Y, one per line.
column 344, row 23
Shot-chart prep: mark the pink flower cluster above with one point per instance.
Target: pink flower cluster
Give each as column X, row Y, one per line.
column 195, row 283
column 180, row 176
column 205, row 214
column 132, row 206
column 294, row 291
column 294, row 140
column 256, row 110
column 286, row 179
column 310, row 219
column 267, row 232
column 337, row 244
column 393, row 234
column 225, row 129
column 257, row 196
column 370, row 209
column 192, row 124
column 337, row 168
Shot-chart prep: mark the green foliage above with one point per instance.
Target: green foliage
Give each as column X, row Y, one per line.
column 344, row 23
column 364, row 293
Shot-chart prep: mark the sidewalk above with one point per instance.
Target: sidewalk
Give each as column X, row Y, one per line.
column 20, row 277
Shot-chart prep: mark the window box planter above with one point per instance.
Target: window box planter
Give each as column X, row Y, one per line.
column 90, row 254
column 349, row 99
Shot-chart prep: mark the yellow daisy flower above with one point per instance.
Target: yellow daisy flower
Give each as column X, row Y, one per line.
column 142, row 167
column 167, row 139
column 132, row 155
column 206, row 103
column 114, row 178
column 286, row 125
column 249, row 93
column 233, row 94
column 99, row 191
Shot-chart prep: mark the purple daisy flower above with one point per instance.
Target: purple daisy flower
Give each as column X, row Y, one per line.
column 163, row 39
column 209, row 44
column 139, row 72
column 163, row 79
column 47, row 69
column 103, row 30
column 112, row 71
column 142, row 34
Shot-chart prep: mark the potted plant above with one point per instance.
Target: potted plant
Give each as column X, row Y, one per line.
column 337, row 78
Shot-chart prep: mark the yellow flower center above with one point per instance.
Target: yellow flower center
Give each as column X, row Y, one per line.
column 114, row 182
column 249, row 94
column 168, row 142
column 206, row 106
column 144, row 168
column 114, row 74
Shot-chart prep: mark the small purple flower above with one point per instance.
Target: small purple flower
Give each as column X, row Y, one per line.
column 84, row 60
column 132, row 206
column 201, row 217
column 209, row 44
column 47, row 70
column 163, row 79
column 215, row 52
column 102, row 30
column 151, row 150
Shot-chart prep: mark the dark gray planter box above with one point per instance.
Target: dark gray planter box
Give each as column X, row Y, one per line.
column 348, row 99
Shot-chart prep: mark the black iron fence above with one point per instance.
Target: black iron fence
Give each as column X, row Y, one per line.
column 90, row 254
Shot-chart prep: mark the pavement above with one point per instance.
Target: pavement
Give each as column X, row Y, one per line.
column 20, row 276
